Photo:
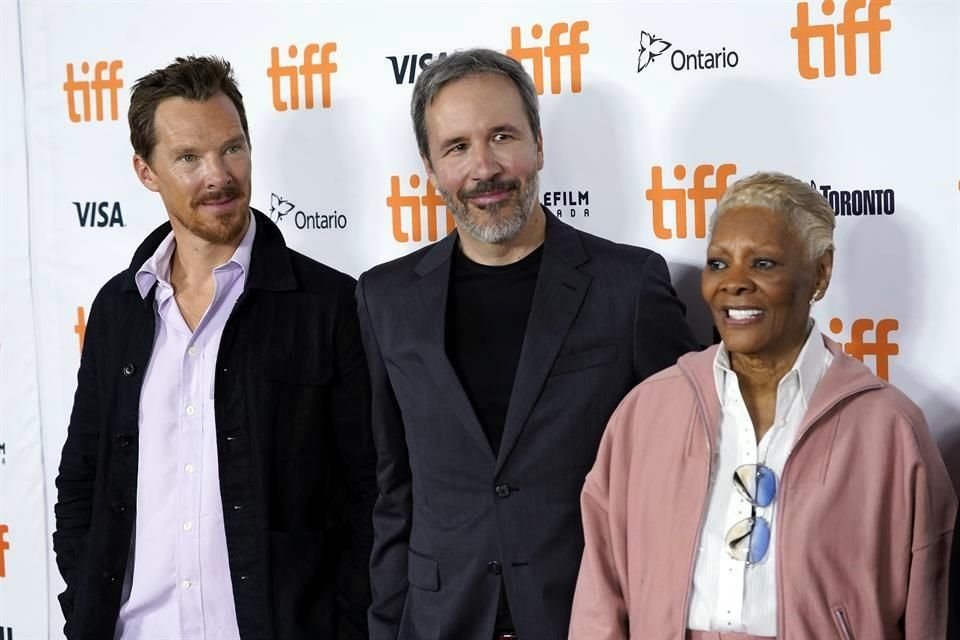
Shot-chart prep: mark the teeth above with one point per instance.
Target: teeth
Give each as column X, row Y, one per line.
column 742, row 314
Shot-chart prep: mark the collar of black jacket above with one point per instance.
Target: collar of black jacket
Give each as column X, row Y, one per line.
column 560, row 241
column 270, row 267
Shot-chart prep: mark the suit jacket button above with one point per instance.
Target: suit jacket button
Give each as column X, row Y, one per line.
column 118, row 507
column 503, row 490
column 129, row 369
column 109, row 577
column 123, row 440
column 494, row 568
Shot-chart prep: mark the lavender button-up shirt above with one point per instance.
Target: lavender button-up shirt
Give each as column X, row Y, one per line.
column 177, row 583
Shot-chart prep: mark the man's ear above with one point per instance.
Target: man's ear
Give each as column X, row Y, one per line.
column 539, row 150
column 144, row 173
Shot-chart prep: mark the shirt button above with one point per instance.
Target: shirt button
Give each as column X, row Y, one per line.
column 188, row 468
column 191, row 409
column 186, row 584
column 494, row 568
column 188, row 526
column 192, row 351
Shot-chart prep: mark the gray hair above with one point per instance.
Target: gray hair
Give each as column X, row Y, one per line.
column 463, row 64
column 807, row 211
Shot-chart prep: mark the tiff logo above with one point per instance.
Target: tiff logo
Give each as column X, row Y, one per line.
column 848, row 29
column 573, row 49
column 4, row 546
column 430, row 200
column 98, row 89
column 699, row 194
column 881, row 347
column 308, row 71
column 81, row 327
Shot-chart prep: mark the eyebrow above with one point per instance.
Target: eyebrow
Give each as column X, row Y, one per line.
column 508, row 128
column 766, row 248
column 237, row 139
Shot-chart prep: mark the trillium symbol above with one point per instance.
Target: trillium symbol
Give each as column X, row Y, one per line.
column 279, row 207
column 650, row 47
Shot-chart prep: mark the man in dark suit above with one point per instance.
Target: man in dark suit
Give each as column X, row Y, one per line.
column 496, row 357
column 218, row 473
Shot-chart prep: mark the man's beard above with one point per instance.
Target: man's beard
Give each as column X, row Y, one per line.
column 498, row 222
column 218, row 229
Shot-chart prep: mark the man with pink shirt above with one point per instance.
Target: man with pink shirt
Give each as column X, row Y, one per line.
column 217, row 478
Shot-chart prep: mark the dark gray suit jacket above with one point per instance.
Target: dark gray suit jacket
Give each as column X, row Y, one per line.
column 452, row 520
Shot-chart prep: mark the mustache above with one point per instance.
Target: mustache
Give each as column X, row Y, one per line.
column 489, row 186
column 225, row 193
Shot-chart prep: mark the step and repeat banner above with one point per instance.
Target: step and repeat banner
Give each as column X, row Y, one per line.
column 650, row 110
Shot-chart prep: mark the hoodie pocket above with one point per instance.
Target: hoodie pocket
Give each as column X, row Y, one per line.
column 843, row 623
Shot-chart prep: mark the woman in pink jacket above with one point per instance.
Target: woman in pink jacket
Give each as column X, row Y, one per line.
column 770, row 486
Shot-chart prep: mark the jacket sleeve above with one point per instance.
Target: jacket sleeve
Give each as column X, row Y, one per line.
column 661, row 332
column 350, row 413
column 599, row 603
column 392, row 512
column 78, row 468
column 934, row 516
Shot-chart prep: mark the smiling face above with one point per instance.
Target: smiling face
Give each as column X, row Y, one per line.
column 758, row 283
column 483, row 156
column 200, row 166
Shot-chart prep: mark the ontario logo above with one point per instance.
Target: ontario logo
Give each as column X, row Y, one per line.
column 652, row 47
column 283, row 212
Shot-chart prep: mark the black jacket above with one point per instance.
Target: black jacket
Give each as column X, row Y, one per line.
column 295, row 452
column 453, row 521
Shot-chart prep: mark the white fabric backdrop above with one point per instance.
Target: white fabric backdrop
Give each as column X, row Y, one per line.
column 895, row 131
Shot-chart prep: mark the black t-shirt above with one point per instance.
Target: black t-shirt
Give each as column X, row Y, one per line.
column 487, row 312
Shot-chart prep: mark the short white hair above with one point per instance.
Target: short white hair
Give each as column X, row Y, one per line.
column 807, row 211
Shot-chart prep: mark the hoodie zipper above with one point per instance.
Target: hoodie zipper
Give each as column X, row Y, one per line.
column 841, row 617
column 703, row 508
column 701, row 405
column 782, row 496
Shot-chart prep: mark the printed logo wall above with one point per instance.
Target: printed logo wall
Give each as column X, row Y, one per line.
column 637, row 148
column 23, row 529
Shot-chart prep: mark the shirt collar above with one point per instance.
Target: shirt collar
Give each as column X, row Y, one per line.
column 809, row 367
column 157, row 267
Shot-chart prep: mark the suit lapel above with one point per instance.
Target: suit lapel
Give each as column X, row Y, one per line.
column 434, row 272
column 560, row 291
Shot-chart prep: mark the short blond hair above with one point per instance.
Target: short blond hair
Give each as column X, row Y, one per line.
column 807, row 211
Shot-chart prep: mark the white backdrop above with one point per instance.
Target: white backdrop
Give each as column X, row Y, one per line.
column 881, row 126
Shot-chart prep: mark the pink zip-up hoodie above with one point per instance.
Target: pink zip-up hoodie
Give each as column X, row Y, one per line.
column 864, row 520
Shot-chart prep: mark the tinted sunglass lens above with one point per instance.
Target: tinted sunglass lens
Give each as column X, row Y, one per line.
column 756, row 483
column 759, row 540
column 749, row 540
